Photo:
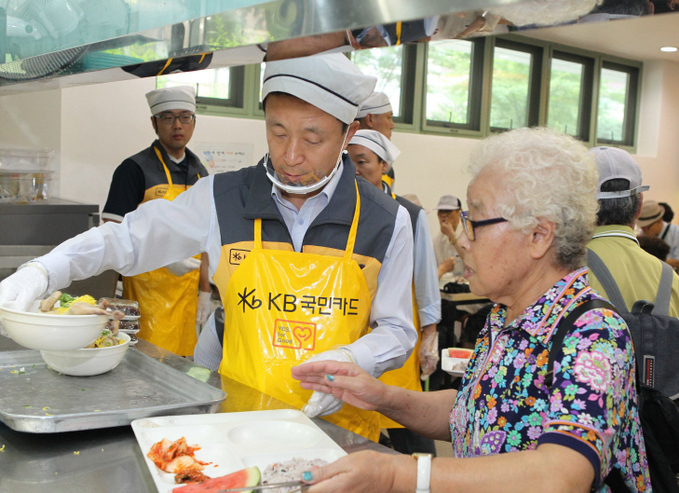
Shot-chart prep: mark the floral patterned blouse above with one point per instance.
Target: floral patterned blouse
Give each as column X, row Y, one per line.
column 503, row 404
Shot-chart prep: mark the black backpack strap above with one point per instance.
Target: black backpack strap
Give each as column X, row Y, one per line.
column 662, row 299
column 563, row 329
column 605, row 277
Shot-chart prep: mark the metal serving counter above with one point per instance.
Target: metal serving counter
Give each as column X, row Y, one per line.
column 109, row 460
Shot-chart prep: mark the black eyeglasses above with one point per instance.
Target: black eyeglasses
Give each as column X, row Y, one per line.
column 470, row 226
column 169, row 118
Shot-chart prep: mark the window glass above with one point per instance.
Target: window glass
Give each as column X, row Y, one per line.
column 511, row 88
column 565, row 93
column 613, row 97
column 387, row 65
column 449, row 66
column 210, row 83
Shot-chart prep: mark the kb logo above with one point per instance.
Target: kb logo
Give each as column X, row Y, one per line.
column 248, row 299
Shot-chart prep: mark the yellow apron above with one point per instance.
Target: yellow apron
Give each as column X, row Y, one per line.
column 408, row 376
column 167, row 303
column 282, row 307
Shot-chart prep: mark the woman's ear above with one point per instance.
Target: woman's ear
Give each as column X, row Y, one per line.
column 542, row 239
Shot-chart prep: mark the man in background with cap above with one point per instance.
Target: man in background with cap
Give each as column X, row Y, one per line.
column 652, row 223
column 168, row 297
column 375, row 113
column 636, row 272
column 309, row 261
column 373, row 154
column 445, row 244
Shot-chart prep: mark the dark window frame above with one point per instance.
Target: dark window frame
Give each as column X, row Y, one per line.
column 534, row 80
column 631, row 103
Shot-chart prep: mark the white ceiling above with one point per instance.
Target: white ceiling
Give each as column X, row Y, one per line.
column 638, row 39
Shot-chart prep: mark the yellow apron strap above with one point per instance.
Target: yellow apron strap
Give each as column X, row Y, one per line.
column 258, row 234
column 351, row 242
column 167, row 171
column 169, row 61
column 399, row 28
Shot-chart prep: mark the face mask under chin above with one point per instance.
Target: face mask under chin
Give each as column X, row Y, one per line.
column 307, row 183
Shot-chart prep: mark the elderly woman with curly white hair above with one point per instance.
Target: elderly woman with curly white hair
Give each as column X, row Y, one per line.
column 532, row 209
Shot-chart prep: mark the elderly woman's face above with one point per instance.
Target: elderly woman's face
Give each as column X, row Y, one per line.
column 497, row 261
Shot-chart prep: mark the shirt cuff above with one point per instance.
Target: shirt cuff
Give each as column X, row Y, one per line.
column 364, row 356
column 430, row 314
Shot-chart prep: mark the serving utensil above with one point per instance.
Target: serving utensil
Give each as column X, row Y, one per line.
column 267, row 486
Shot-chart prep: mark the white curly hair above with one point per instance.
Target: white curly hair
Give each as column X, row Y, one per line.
column 546, row 175
column 545, row 12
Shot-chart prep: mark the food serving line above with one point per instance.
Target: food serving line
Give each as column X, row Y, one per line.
column 48, row 458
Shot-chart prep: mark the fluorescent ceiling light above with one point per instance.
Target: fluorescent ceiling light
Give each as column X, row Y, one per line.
column 668, row 49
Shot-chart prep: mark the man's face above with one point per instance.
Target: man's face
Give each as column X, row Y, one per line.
column 451, row 217
column 368, row 164
column 383, row 123
column 653, row 229
column 304, row 141
column 173, row 136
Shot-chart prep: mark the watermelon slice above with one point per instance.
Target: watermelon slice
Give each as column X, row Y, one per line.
column 239, row 479
column 460, row 353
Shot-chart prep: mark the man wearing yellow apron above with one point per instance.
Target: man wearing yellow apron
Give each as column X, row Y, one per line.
column 373, row 154
column 310, row 262
column 168, row 297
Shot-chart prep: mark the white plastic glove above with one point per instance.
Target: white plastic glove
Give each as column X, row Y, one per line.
column 204, row 307
column 22, row 288
column 183, row 267
column 320, row 403
column 429, row 351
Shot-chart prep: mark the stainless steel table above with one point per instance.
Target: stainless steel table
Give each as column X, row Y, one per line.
column 109, row 459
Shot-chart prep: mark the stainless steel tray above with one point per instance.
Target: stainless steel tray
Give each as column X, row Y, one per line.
column 36, row 399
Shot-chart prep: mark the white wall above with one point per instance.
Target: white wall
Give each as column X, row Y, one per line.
column 94, row 128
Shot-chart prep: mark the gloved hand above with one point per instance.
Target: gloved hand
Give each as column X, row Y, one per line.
column 183, row 267
column 204, row 307
column 22, row 288
column 320, row 403
column 429, row 351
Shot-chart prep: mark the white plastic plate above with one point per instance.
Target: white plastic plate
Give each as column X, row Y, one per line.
column 448, row 363
column 233, row 441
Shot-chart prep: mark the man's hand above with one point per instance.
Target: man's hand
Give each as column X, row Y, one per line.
column 448, row 230
column 22, row 288
column 447, row 265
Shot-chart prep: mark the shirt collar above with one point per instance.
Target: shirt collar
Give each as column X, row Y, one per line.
column 539, row 318
column 341, row 193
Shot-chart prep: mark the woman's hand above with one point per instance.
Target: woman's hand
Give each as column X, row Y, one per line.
column 362, row 472
column 345, row 381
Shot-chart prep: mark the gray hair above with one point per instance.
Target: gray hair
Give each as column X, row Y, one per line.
column 547, row 175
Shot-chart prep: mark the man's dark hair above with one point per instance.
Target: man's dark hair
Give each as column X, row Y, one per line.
column 669, row 213
column 655, row 246
column 622, row 210
column 623, row 7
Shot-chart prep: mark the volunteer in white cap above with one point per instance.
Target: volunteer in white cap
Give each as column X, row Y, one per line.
column 168, row 297
column 305, row 265
column 375, row 113
column 373, row 154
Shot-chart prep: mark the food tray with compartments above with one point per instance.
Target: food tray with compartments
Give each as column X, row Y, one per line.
column 37, row 399
column 234, row 441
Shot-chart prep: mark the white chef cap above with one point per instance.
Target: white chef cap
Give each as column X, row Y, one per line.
column 378, row 143
column 330, row 82
column 377, row 103
column 172, row 98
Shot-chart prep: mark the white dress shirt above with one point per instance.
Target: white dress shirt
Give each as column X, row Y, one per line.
column 160, row 232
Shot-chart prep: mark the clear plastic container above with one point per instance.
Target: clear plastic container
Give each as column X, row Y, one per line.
column 25, row 175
